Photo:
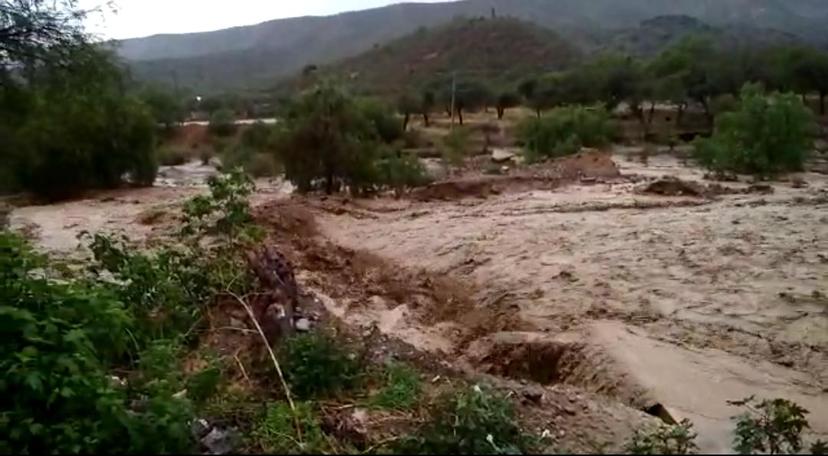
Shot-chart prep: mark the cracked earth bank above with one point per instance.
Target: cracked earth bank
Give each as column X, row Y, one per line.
column 673, row 305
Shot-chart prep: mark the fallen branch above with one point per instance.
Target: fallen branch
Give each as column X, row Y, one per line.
column 275, row 362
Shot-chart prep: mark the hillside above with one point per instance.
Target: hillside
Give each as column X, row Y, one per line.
column 243, row 56
column 490, row 49
column 656, row 34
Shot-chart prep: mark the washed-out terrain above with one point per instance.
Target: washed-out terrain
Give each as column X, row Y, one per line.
column 600, row 287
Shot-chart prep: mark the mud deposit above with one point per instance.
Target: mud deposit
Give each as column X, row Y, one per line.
column 620, row 292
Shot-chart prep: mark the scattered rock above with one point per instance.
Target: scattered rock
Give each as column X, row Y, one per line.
column 502, row 155
column 303, row 325
column 798, row 182
column 200, row 428
column 220, row 441
column 671, row 186
column 349, row 426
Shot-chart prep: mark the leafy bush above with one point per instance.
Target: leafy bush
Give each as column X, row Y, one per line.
column 455, row 145
column 168, row 156
column 664, row 439
column 474, row 421
column 60, row 339
column 765, row 135
column 400, row 170
column 255, row 163
column 401, row 390
column 277, row 433
column 563, row 131
column 381, row 117
column 257, row 136
column 222, row 123
column 770, row 426
column 317, row 365
column 225, row 211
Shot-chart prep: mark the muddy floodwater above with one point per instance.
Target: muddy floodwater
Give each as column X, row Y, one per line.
column 678, row 302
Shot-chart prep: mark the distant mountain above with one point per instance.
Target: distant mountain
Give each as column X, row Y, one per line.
column 495, row 50
column 255, row 54
column 654, row 35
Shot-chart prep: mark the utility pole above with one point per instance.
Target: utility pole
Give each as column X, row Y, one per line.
column 453, row 96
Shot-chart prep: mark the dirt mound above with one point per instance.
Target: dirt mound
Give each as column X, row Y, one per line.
column 457, row 189
column 588, row 163
column 674, row 187
column 287, row 217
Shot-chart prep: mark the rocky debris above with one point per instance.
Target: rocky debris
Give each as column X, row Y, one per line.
column 200, row 428
column 798, row 182
column 220, row 441
column 502, row 155
column 588, row 163
column 303, row 325
column 765, row 189
column 671, row 186
column 276, row 309
column 5, row 212
column 348, row 426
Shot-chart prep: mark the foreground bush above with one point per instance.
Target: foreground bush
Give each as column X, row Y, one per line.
column 764, row 135
column 222, row 123
column 473, row 421
column 317, row 365
column 564, row 131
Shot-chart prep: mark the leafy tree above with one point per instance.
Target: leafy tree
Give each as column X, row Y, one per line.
column 35, row 30
column 408, row 105
column 82, row 130
column 468, row 95
column 429, row 100
column 222, row 123
column 381, row 117
column 765, row 135
column 506, row 100
column 564, row 131
column 164, row 106
column 810, row 74
column 684, row 72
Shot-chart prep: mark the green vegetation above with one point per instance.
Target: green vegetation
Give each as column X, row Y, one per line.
column 401, row 390
column 766, row 134
column 664, row 439
column 473, row 421
column 329, row 140
column 222, row 123
column 277, row 432
column 564, row 131
column 455, row 146
column 67, row 121
column 317, row 365
column 770, row 426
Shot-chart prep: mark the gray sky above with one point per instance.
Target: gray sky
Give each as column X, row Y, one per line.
column 135, row 18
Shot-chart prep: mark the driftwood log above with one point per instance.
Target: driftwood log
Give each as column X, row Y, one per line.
column 275, row 308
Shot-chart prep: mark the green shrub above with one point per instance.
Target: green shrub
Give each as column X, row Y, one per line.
column 257, row 137
column 255, row 163
column 60, row 340
column 766, row 134
column 386, row 125
column 473, row 421
column 172, row 157
column 401, row 390
column 455, row 146
column 664, row 439
column 277, row 433
column 225, row 211
column 770, row 426
column 315, row 365
column 563, row 131
column 222, row 123
column 399, row 170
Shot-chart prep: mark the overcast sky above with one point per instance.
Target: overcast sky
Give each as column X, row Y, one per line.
column 135, row 18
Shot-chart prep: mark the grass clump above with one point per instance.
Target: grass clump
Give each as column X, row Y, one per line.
column 455, row 145
column 401, row 390
column 277, row 433
column 317, row 365
column 471, row 421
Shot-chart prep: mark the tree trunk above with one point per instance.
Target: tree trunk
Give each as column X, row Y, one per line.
column 329, row 183
column 707, row 113
column 500, row 113
column 460, row 115
column 425, row 119
column 405, row 121
column 681, row 109
column 538, row 112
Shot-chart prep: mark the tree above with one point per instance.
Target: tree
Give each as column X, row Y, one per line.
column 506, row 100
column 766, row 134
column 429, row 100
column 408, row 105
column 222, row 123
column 684, row 72
column 165, row 107
column 469, row 95
column 32, row 30
column 810, row 74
